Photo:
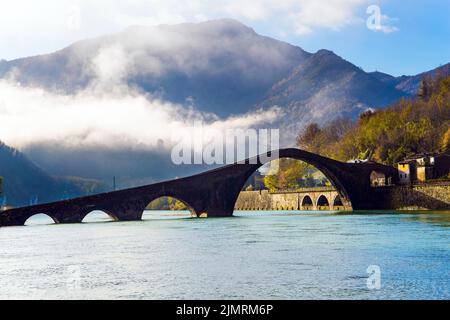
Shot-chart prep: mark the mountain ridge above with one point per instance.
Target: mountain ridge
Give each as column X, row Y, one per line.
column 410, row 84
column 174, row 61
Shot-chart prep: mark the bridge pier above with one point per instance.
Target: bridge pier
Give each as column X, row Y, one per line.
column 216, row 212
column 73, row 214
column 126, row 211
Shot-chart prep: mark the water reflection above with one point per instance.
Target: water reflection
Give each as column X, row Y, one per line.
column 436, row 218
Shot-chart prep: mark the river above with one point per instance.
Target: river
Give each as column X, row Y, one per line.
column 253, row 255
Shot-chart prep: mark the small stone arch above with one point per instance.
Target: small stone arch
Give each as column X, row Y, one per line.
column 307, row 203
column 323, row 203
column 337, row 203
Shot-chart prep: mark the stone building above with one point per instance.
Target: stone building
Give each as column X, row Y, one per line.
column 423, row 167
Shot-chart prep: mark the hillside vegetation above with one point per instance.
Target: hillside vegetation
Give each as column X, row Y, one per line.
column 407, row 127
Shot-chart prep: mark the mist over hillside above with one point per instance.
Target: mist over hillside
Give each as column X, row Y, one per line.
column 220, row 66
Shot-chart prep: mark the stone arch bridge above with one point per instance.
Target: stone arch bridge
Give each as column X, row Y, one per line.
column 212, row 193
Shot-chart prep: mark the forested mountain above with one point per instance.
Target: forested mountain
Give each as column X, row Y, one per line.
column 410, row 84
column 24, row 182
column 405, row 128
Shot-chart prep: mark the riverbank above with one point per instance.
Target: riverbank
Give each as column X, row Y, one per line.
column 411, row 197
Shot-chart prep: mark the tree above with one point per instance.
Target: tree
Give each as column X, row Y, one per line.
column 271, row 182
column 249, row 188
column 425, row 88
column 445, row 145
column 288, row 176
column 310, row 139
column 179, row 205
column 365, row 116
column 408, row 126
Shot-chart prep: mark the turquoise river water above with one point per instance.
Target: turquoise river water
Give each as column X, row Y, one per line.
column 253, row 255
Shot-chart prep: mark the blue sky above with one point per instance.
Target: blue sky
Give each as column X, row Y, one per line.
column 422, row 41
column 414, row 35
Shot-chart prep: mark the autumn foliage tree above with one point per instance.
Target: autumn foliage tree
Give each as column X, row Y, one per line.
column 409, row 126
column 445, row 147
column 288, row 174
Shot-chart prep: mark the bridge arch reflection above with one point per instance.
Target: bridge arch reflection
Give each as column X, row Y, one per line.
column 98, row 216
column 40, row 219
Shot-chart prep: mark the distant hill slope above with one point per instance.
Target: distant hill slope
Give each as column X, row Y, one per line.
column 325, row 87
column 410, row 84
column 24, row 181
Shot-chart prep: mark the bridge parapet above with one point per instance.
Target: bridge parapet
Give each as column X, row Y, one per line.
column 305, row 190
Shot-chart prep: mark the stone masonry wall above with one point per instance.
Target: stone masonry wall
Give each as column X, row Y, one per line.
column 263, row 200
column 427, row 197
column 431, row 197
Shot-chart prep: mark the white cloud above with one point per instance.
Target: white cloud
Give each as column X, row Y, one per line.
column 110, row 113
column 30, row 27
column 97, row 117
column 330, row 14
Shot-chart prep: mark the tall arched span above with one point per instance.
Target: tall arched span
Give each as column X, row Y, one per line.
column 351, row 180
column 316, row 161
